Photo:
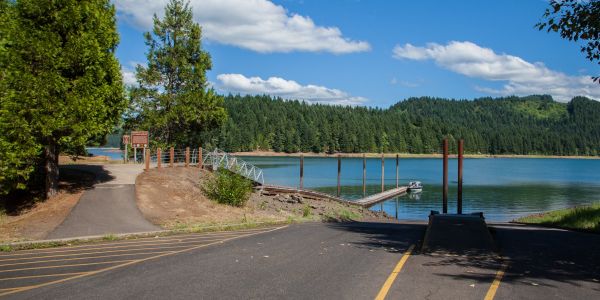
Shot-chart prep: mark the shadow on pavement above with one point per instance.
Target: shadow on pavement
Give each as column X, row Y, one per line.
column 535, row 255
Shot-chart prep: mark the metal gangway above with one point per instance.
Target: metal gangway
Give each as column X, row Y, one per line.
column 221, row 159
column 213, row 159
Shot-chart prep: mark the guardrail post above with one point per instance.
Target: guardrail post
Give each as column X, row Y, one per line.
column 172, row 157
column 158, row 158
column 187, row 157
column 445, row 178
column 200, row 157
column 460, row 177
column 147, row 159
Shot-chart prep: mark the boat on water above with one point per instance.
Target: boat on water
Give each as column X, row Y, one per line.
column 415, row 187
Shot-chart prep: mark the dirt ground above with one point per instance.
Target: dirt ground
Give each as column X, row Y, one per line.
column 26, row 218
column 172, row 198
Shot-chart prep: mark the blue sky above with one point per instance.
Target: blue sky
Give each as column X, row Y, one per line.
column 375, row 52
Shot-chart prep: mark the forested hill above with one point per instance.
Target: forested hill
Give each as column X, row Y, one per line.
column 511, row 125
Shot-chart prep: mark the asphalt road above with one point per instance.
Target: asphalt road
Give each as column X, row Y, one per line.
column 307, row 261
column 108, row 207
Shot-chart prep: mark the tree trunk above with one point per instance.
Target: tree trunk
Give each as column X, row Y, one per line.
column 51, row 158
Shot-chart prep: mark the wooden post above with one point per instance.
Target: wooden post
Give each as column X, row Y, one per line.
column 445, row 178
column 158, row 158
column 339, row 186
column 147, row 159
column 200, row 157
column 396, row 207
column 135, row 155
column 187, row 157
column 460, row 177
column 364, row 175
column 382, row 173
column 171, row 157
column 301, row 171
column 397, row 174
column 126, row 156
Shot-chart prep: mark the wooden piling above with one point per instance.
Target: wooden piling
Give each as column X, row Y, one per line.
column 200, row 157
column 158, row 158
column 339, row 186
column 171, row 157
column 445, row 178
column 397, row 174
column 382, row 173
column 460, row 177
column 364, row 175
column 147, row 159
column 187, row 157
column 301, row 171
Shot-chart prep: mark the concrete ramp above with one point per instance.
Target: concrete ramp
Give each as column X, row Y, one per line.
column 458, row 234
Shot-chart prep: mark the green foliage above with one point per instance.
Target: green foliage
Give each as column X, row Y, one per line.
column 60, row 82
column 583, row 218
column 575, row 20
column 533, row 125
column 228, row 188
column 306, row 211
column 173, row 100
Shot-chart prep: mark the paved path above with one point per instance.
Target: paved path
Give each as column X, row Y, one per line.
column 307, row 261
column 109, row 207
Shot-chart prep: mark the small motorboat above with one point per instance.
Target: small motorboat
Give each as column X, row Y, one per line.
column 415, row 187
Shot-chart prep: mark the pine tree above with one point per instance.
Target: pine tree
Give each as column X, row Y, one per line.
column 173, row 98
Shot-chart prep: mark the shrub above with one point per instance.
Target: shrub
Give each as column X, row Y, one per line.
column 228, row 188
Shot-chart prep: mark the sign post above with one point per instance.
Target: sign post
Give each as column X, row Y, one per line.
column 139, row 139
column 126, row 140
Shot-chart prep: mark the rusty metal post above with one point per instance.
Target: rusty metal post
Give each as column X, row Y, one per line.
column 301, row 171
column 158, row 158
column 339, row 186
column 382, row 173
column 200, row 157
column 445, row 178
column 187, row 157
column 397, row 174
column 460, row 177
column 147, row 159
column 364, row 175
column 172, row 157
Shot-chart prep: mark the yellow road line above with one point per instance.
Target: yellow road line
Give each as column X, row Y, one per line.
column 491, row 293
column 390, row 280
column 10, row 289
column 40, row 276
column 67, row 266
column 109, row 250
column 118, row 244
column 81, row 258
column 131, row 263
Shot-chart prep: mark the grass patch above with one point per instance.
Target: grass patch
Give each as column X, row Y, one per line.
column 306, row 211
column 586, row 218
column 341, row 215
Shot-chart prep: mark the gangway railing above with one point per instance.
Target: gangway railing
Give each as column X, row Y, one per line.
column 220, row 159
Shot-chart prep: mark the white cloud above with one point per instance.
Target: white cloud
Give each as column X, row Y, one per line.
column 288, row 89
column 258, row 25
column 128, row 76
column 521, row 76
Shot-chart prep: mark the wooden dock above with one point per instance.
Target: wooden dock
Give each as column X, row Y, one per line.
column 364, row 202
column 376, row 198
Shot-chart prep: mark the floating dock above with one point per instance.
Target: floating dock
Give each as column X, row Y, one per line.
column 364, row 202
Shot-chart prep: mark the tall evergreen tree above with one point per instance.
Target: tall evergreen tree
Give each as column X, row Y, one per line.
column 173, row 100
column 60, row 84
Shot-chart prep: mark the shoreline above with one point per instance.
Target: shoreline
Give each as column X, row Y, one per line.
column 402, row 155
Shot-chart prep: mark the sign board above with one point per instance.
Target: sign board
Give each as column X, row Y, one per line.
column 139, row 139
column 126, row 139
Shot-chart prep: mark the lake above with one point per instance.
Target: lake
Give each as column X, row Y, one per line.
column 502, row 188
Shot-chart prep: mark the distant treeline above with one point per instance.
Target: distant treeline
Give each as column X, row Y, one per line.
column 511, row 125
